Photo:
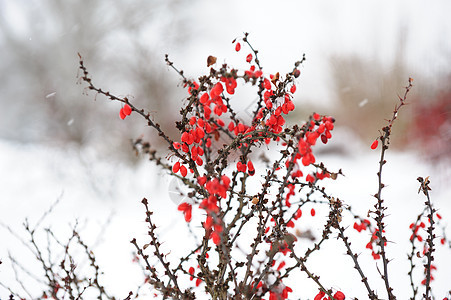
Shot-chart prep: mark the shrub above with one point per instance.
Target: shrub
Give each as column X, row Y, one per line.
column 249, row 180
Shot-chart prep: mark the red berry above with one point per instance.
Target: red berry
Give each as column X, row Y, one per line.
column 241, row 167
column 312, row 212
column 250, row 167
column 225, row 180
column 183, row 206
column 201, row 180
column 183, row 171
column 231, row 126
column 184, row 137
column 127, row 109
column 374, row 144
column 298, row 214
column 267, row 84
column 329, row 125
column 249, row 58
column 122, row 115
column 187, row 214
column 208, row 223
column 176, row 167
column 220, row 122
column 238, row 47
column 215, row 237
column 339, row 296
column 204, row 98
column 281, row 265
column 320, row 295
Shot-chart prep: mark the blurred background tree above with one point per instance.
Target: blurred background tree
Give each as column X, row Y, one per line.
column 121, row 43
column 365, row 93
column 359, row 57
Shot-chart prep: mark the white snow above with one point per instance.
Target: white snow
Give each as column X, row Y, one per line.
column 92, row 191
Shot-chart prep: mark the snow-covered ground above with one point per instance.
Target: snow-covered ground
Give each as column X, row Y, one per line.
column 105, row 199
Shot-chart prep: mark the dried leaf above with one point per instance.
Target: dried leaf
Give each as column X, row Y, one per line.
column 211, row 60
column 275, row 78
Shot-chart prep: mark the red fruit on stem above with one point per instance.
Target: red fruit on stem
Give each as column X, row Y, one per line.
column 176, row 167
column 215, row 237
column 204, row 98
column 122, row 115
column 374, row 144
column 267, row 84
column 127, row 109
column 281, row 265
column 339, row 296
column 187, row 214
column 202, row 180
column 320, row 295
column 298, row 214
column 238, row 47
column 198, row 281
column 183, row 171
column 250, row 167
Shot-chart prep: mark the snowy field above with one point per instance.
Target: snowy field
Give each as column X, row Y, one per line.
column 104, row 197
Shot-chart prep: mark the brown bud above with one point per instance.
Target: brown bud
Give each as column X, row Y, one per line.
column 255, row 200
